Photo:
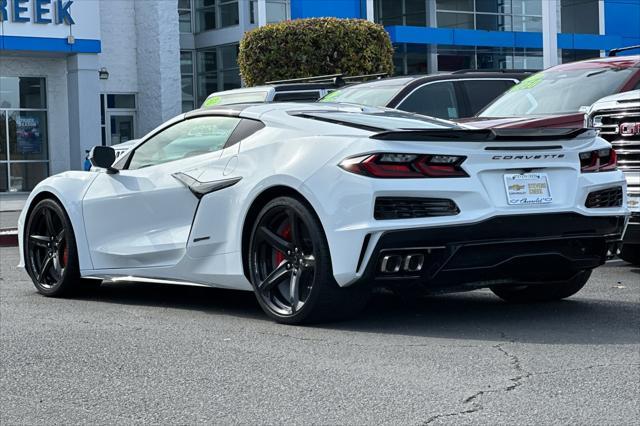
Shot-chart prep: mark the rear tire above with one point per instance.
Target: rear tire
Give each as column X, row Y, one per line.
column 290, row 267
column 631, row 253
column 50, row 252
column 543, row 292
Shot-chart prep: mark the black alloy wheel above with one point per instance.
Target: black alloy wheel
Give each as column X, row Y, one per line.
column 290, row 266
column 51, row 258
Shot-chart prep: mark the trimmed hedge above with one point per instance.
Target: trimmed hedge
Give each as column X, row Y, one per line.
column 316, row 46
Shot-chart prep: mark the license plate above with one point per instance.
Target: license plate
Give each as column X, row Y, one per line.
column 527, row 189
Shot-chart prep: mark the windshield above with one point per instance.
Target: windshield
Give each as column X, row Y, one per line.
column 370, row 96
column 558, row 92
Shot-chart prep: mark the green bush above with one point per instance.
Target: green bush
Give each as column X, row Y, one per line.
column 317, row 46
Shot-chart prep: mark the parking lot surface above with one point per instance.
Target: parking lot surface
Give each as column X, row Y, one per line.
column 134, row 353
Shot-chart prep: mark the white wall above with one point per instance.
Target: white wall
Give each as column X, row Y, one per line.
column 119, row 52
column 158, row 58
column 141, row 52
column 55, row 71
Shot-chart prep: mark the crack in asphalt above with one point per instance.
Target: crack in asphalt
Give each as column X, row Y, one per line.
column 459, row 413
column 516, row 381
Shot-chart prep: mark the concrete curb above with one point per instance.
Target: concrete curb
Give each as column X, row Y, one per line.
column 8, row 237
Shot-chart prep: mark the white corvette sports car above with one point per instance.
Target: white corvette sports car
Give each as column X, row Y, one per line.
column 312, row 205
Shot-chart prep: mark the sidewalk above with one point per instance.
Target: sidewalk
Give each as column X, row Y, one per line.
column 12, row 202
column 10, row 207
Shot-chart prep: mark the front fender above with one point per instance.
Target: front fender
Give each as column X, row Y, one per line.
column 69, row 188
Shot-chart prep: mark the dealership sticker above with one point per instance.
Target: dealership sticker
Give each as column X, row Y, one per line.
column 331, row 95
column 214, row 100
column 528, row 83
column 527, row 189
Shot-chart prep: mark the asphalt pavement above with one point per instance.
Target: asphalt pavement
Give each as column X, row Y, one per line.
column 141, row 353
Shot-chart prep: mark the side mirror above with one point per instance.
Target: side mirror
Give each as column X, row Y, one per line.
column 103, row 157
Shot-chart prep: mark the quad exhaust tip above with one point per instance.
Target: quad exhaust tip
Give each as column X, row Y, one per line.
column 393, row 263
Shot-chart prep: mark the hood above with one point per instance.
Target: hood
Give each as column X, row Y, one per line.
column 575, row 120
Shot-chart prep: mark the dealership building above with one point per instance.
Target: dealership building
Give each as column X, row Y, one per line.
column 78, row 73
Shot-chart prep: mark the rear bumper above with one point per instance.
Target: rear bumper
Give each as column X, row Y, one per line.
column 504, row 249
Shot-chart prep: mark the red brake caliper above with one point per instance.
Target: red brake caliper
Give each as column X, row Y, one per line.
column 285, row 233
column 65, row 256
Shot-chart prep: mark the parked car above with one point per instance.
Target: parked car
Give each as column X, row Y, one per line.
column 310, row 205
column 307, row 89
column 617, row 119
column 448, row 95
column 561, row 95
column 123, row 147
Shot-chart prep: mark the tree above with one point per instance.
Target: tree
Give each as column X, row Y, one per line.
column 311, row 47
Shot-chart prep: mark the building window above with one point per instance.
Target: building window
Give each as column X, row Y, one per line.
column 217, row 70
column 400, row 12
column 186, row 74
column 184, row 16
column 253, row 11
column 278, row 11
column 490, row 15
column 117, row 118
column 580, row 16
column 573, row 55
column 216, row 14
column 24, row 145
column 452, row 58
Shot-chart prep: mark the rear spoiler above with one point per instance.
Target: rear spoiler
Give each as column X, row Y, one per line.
column 483, row 135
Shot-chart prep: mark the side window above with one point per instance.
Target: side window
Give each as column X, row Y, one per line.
column 434, row 99
column 310, row 96
column 196, row 136
column 481, row 93
column 246, row 128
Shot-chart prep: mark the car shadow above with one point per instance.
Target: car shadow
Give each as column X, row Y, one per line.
column 480, row 315
column 475, row 315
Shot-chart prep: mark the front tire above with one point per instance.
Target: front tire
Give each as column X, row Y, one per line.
column 543, row 292
column 51, row 256
column 290, row 267
column 631, row 253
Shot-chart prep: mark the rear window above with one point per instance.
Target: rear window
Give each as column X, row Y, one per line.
column 376, row 96
column 379, row 120
column 309, row 96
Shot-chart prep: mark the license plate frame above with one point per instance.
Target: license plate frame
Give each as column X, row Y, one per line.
column 526, row 189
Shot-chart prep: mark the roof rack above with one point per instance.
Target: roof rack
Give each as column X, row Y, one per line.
column 501, row 70
column 614, row 52
column 337, row 79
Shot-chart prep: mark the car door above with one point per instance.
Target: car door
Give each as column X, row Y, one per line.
column 141, row 217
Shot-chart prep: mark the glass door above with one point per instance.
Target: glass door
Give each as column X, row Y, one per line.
column 122, row 127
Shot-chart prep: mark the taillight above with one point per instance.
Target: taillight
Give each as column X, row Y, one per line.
column 388, row 165
column 601, row 160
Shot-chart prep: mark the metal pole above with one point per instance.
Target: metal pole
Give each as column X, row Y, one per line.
column 262, row 13
column 550, row 33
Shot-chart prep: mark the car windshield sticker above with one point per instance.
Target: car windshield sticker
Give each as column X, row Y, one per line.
column 331, row 96
column 528, row 83
column 214, row 100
